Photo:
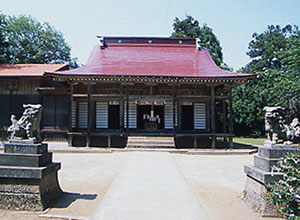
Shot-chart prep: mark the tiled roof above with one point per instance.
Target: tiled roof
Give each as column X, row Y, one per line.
column 8, row 70
column 163, row 57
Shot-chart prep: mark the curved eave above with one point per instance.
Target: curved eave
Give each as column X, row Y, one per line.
column 141, row 79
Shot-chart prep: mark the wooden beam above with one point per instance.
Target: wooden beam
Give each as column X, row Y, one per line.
column 156, row 79
column 201, row 96
column 103, row 95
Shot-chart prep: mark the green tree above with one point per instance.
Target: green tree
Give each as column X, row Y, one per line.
column 278, row 83
column 3, row 43
column 29, row 41
column 190, row 28
column 265, row 48
column 288, row 82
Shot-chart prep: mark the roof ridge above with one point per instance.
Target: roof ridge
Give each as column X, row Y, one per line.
column 149, row 45
column 146, row 40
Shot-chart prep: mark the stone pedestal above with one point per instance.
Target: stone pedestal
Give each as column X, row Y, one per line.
column 28, row 177
column 260, row 175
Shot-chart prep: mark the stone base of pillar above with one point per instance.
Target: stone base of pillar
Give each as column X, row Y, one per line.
column 260, row 175
column 254, row 196
column 28, row 177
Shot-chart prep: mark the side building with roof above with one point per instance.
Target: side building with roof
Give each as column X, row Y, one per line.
column 141, row 86
column 26, row 84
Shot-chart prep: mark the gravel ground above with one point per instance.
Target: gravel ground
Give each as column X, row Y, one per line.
column 84, row 178
column 218, row 181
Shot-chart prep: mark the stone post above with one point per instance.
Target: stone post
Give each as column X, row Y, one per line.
column 28, row 177
column 259, row 176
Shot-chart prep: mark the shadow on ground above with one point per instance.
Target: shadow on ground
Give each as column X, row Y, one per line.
column 243, row 146
column 68, row 198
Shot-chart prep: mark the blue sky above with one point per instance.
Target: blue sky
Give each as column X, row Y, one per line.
column 233, row 21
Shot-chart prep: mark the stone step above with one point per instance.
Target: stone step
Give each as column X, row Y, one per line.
column 262, row 176
column 15, row 172
column 275, row 153
column 25, row 160
column 26, row 148
column 149, row 146
column 265, row 163
column 150, row 138
column 150, row 142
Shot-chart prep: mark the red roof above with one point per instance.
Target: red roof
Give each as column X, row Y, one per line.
column 131, row 57
column 28, row 69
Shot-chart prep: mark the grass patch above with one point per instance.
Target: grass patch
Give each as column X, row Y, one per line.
column 249, row 141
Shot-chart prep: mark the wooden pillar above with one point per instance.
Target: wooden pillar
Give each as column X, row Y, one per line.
column 88, row 139
column 109, row 141
column 213, row 116
column 178, row 115
column 71, row 113
column 151, row 89
column 55, row 112
column 174, row 110
column 10, row 102
column 224, row 116
column 230, row 118
column 121, row 113
column 127, row 109
column 151, row 94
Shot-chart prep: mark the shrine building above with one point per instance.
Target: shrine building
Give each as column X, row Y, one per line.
column 131, row 86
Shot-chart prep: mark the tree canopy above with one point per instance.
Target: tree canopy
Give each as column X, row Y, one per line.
column 275, row 56
column 265, row 48
column 3, row 43
column 190, row 28
column 26, row 40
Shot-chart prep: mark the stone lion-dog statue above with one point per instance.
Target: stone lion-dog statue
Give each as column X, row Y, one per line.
column 276, row 128
column 28, row 126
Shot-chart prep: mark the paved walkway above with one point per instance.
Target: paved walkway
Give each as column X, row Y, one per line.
column 149, row 186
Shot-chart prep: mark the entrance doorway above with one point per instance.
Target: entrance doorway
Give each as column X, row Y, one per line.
column 187, row 117
column 143, row 117
column 141, row 111
column 159, row 110
column 114, row 116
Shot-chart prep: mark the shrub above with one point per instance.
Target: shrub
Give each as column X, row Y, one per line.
column 285, row 194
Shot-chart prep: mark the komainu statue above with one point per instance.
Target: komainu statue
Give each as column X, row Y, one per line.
column 28, row 126
column 277, row 129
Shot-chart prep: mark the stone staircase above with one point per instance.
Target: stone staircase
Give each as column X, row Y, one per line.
column 150, row 142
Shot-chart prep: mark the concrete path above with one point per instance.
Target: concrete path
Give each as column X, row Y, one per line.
column 149, row 186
